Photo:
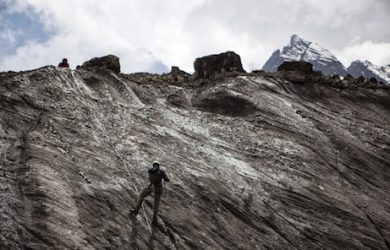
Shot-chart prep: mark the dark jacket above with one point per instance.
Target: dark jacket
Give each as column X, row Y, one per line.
column 63, row 65
column 156, row 176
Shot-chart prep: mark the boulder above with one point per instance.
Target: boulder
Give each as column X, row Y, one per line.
column 335, row 78
column 177, row 71
column 299, row 66
column 373, row 80
column 349, row 78
column 224, row 62
column 361, row 79
column 109, row 62
column 178, row 99
column 178, row 75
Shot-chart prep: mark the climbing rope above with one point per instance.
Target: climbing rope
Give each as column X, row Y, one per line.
column 135, row 187
column 103, row 131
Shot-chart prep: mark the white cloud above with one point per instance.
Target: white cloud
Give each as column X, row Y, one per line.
column 8, row 35
column 377, row 53
column 147, row 33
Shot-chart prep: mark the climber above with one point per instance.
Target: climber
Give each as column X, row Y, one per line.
column 64, row 63
column 155, row 176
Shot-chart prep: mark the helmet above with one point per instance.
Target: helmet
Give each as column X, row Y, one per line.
column 156, row 164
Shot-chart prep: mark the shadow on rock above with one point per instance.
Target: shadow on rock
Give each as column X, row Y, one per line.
column 224, row 103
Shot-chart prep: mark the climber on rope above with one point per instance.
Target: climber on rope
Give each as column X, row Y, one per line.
column 63, row 64
column 156, row 175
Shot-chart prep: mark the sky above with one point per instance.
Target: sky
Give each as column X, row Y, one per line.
column 153, row 35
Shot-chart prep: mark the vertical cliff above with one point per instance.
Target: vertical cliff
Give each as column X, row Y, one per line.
column 256, row 162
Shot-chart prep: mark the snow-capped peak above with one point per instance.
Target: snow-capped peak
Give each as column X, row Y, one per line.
column 365, row 63
column 295, row 39
column 368, row 69
column 300, row 49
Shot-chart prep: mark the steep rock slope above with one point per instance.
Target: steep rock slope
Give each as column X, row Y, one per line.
column 368, row 70
column 302, row 50
column 255, row 161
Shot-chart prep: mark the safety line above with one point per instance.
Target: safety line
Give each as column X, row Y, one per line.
column 135, row 187
column 111, row 144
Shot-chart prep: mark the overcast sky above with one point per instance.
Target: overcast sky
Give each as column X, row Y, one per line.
column 152, row 35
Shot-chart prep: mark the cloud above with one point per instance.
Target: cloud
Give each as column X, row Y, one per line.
column 368, row 50
column 8, row 35
column 150, row 35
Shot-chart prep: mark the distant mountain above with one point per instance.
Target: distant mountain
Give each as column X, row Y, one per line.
column 368, row 70
column 301, row 50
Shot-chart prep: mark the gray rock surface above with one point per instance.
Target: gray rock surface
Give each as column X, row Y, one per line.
column 255, row 162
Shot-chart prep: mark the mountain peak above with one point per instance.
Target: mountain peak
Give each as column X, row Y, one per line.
column 300, row 49
column 362, row 62
column 368, row 69
column 295, row 39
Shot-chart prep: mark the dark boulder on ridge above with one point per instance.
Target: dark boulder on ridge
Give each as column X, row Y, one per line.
column 178, row 75
column 300, row 66
column 349, row 78
column 373, row 80
column 224, row 62
column 177, row 71
column 298, row 72
column 109, row 62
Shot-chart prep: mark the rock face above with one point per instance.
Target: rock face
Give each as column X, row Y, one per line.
column 176, row 71
column 223, row 102
column 109, row 62
column 302, row 50
column 369, row 70
column 298, row 72
column 178, row 75
column 303, row 67
column 255, row 162
column 212, row 64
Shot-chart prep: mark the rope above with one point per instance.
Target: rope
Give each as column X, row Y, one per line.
column 111, row 144
column 135, row 187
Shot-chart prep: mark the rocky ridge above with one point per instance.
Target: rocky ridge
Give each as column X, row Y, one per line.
column 369, row 70
column 286, row 160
